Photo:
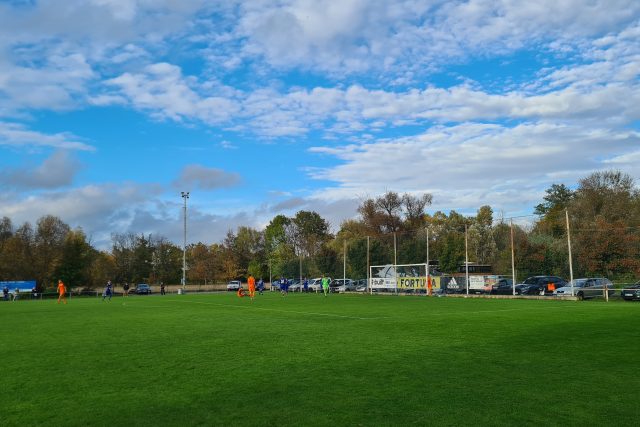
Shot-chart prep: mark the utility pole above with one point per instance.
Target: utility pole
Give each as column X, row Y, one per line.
column 368, row 267
column 566, row 213
column 185, row 196
column 466, row 258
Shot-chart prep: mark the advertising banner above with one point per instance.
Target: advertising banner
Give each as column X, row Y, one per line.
column 21, row 285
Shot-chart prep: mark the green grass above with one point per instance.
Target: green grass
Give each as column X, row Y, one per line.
column 309, row 360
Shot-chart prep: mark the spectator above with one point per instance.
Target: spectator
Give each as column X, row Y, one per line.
column 16, row 294
column 551, row 287
column 5, row 293
column 162, row 291
column 34, row 293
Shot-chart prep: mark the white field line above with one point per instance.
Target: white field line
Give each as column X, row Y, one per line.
column 308, row 313
column 489, row 311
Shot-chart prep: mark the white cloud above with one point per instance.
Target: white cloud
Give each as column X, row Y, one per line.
column 357, row 35
column 603, row 86
column 58, row 81
column 469, row 164
column 165, row 93
column 17, row 135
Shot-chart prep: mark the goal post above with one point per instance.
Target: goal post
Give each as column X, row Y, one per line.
column 406, row 278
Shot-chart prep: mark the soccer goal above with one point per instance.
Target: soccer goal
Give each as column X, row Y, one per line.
column 398, row 278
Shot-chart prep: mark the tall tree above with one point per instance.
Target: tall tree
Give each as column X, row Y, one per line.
column 75, row 260
column 557, row 198
column 308, row 231
column 414, row 207
column 50, row 236
column 481, row 238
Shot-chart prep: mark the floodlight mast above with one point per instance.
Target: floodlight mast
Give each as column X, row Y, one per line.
column 185, row 196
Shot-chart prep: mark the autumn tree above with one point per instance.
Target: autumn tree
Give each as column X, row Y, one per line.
column 76, row 256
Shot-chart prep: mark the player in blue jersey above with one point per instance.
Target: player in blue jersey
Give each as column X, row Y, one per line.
column 108, row 291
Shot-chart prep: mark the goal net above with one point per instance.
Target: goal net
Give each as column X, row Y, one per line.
column 398, row 278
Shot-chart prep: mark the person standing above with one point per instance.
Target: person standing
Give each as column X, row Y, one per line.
column 16, row 294
column 5, row 293
column 62, row 290
column 260, row 286
column 126, row 289
column 162, row 291
column 305, row 285
column 107, row 291
column 325, row 285
column 251, row 282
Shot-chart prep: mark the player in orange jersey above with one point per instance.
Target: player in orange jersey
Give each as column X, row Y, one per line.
column 251, row 281
column 61, row 292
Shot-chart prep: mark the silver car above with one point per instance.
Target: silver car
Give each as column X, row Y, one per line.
column 585, row 288
column 295, row 285
column 344, row 285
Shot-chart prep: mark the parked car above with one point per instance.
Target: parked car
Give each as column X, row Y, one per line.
column 540, row 285
column 316, row 284
column 344, row 285
column 590, row 287
column 503, row 286
column 142, row 289
column 361, row 285
column 295, row 285
column 234, row 285
column 630, row 293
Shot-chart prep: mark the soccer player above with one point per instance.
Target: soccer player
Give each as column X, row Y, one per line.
column 62, row 290
column 260, row 286
column 284, row 286
column 325, row 285
column 240, row 292
column 251, row 281
column 107, row 291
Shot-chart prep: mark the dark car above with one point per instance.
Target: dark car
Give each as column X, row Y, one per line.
column 540, row 285
column 502, row 287
column 142, row 289
column 631, row 293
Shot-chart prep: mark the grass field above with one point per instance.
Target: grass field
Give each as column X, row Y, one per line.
column 308, row 360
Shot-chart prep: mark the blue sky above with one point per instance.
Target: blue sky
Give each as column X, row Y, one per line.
column 110, row 108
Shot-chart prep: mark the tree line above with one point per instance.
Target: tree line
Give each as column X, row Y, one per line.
column 604, row 212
